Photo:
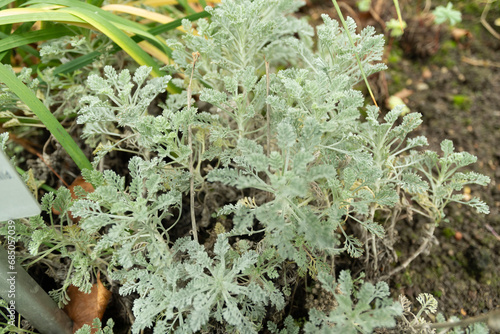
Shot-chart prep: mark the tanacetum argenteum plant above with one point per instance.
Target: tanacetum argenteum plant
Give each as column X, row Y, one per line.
column 317, row 181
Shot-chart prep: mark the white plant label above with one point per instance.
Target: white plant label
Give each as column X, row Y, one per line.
column 16, row 201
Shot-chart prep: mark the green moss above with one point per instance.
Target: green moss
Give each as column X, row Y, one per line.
column 467, row 121
column 431, row 272
column 448, row 232
column 462, row 102
column 443, row 57
column 407, row 277
column 448, row 45
column 437, row 294
column 395, row 56
column 461, row 259
column 471, row 7
column 459, row 219
column 397, row 79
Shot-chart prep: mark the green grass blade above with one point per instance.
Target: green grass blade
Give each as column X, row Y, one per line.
column 5, row 2
column 2, row 55
column 97, row 3
column 8, row 42
column 18, row 15
column 17, row 40
column 119, row 22
column 203, row 4
column 36, row 106
column 39, row 12
column 43, row 186
column 81, row 15
column 77, row 63
column 117, row 36
column 344, row 24
column 186, row 6
column 90, row 57
column 396, row 4
column 177, row 23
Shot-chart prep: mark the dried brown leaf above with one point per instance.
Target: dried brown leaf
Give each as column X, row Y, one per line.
column 83, row 308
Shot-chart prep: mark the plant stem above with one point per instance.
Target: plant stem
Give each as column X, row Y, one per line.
column 268, row 112
column 190, row 143
column 489, row 317
column 419, row 251
column 344, row 24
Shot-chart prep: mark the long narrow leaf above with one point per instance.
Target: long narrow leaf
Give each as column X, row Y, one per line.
column 174, row 24
column 5, row 2
column 119, row 22
column 158, row 3
column 89, row 58
column 117, row 36
column 138, row 12
column 106, row 20
column 17, row 40
column 55, row 128
column 344, row 24
column 186, row 6
column 97, row 3
column 77, row 63
column 398, row 11
column 83, row 16
column 10, row 44
column 18, row 15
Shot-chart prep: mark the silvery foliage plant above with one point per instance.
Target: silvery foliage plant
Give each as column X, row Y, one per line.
column 320, row 171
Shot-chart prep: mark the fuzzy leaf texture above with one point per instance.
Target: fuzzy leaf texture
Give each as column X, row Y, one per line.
column 373, row 308
column 199, row 288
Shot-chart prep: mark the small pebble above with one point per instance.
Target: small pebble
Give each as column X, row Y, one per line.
column 422, row 86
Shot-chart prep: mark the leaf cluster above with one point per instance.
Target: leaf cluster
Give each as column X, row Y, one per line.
column 358, row 311
column 187, row 295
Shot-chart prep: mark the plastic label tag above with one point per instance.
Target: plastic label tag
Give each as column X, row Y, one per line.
column 16, row 201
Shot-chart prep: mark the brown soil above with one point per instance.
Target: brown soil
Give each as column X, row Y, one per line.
column 461, row 102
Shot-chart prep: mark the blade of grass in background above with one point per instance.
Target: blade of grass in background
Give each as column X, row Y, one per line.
column 18, row 15
column 37, row 107
column 6, row 39
column 117, row 36
column 396, row 4
column 5, row 2
column 186, row 6
column 97, row 3
column 344, row 24
column 43, row 186
column 177, row 23
column 81, row 15
column 158, row 3
column 18, row 40
column 119, row 22
column 78, row 63
column 160, row 18
column 89, row 58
